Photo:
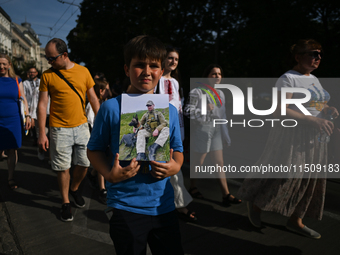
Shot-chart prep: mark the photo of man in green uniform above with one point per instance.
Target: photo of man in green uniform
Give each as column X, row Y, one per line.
column 154, row 125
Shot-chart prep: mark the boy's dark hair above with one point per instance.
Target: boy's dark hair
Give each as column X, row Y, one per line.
column 143, row 47
column 59, row 44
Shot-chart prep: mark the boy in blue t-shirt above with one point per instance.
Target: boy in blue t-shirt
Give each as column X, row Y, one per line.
column 143, row 203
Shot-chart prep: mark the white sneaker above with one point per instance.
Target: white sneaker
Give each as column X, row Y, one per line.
column 305, row 231
column 41, row 155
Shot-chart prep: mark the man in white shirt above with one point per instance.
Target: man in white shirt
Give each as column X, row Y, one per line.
column 31, row 89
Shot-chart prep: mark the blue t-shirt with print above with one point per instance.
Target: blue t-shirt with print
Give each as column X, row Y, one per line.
column 142, row 193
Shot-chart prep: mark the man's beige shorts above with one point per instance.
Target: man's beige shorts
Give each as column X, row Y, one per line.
column 68, row 142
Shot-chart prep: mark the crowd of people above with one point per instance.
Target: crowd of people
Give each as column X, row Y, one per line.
column 145, row 205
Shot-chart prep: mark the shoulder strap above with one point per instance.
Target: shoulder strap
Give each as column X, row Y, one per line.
column 19, row 94
column 68, row 83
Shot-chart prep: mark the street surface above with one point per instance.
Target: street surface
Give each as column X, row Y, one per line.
column 30, row 223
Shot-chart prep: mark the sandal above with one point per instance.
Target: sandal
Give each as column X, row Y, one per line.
column 227, row 201
column 196, row 194
column 12, row 184
column 187, row 216
column 3, row 157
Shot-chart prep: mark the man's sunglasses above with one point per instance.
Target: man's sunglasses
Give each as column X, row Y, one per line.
column 52, row 59
column 315, row 54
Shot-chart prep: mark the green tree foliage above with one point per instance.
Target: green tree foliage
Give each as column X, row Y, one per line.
column 104, row 26
column 248, row 38
column 261, row 46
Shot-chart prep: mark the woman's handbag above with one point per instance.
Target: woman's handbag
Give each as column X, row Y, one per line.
column 22, row 110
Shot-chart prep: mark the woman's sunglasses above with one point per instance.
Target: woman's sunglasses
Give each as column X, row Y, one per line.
column 315, row 54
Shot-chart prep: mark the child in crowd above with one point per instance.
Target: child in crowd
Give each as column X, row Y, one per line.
column 102, row 91
column 143, row 209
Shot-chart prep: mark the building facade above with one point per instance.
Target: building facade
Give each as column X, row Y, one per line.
column 5, row 33
column 21, row 43
column 21, row 46
column 28, row 35
column 44, row 65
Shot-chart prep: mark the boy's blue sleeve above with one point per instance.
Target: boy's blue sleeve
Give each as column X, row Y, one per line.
column 100, row 135
column 175, row 132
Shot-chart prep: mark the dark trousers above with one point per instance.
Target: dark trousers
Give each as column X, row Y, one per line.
column 130, row 233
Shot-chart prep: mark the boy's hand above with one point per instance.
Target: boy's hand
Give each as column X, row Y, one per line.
column 118, row 173
column 171, row 167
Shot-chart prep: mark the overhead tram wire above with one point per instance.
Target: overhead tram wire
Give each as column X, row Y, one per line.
column 63, row 24
column 62, row 15
column 63, row 2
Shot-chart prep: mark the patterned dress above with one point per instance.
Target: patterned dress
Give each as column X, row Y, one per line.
column 304, row 194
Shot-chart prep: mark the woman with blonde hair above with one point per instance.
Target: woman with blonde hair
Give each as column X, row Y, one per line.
column 10, row 121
